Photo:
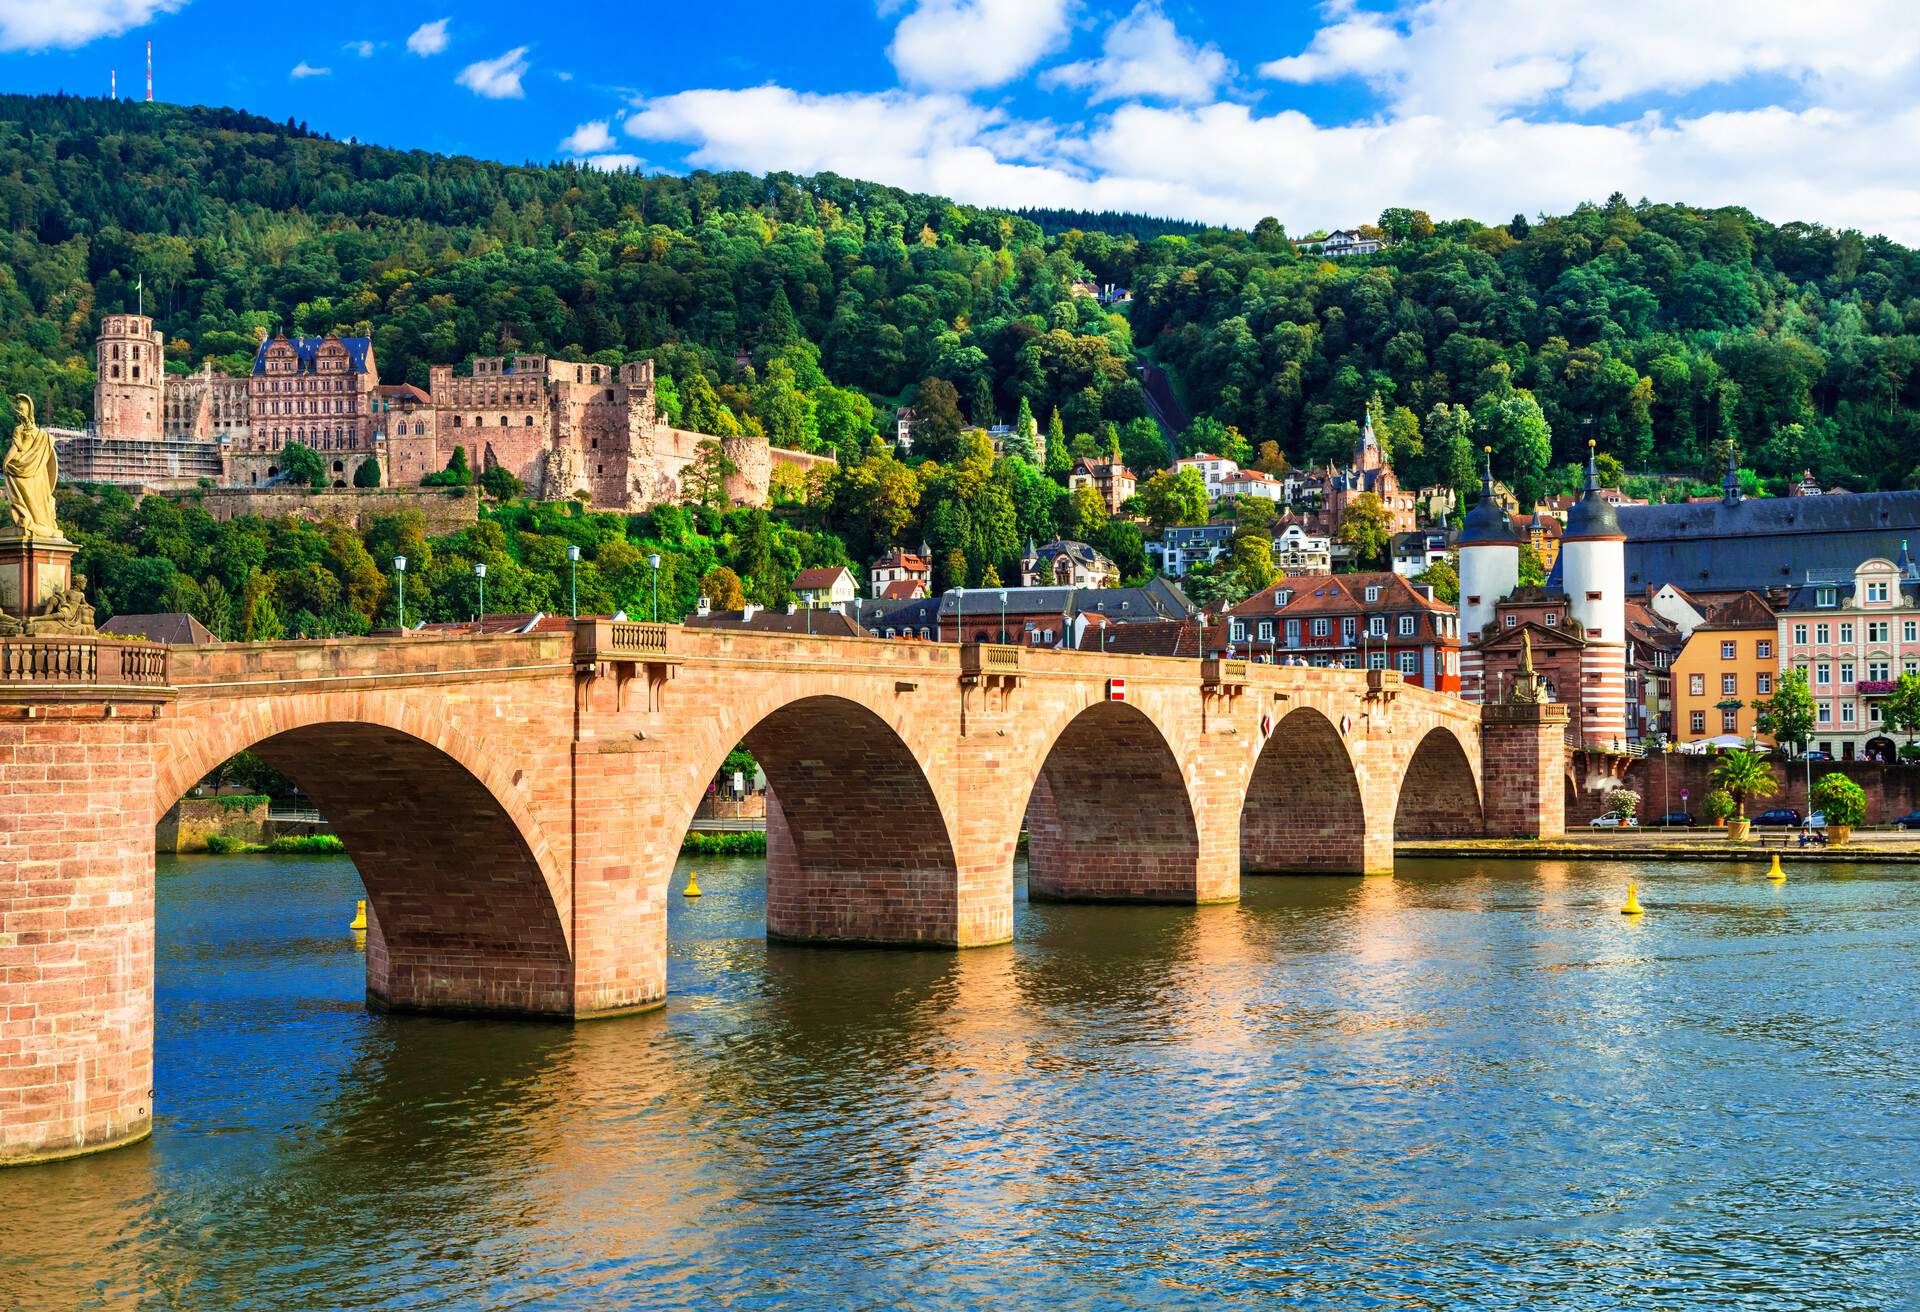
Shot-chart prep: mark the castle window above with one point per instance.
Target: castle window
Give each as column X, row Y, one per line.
column 136, row 371
column 503, row 421
column 116, row 371
column 529, row 421
column 578, row 373
column 599, row 469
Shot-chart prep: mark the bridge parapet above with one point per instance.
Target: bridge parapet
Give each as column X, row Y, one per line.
column 39, row 664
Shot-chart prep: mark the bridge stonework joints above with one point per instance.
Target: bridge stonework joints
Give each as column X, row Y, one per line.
column 515, row 806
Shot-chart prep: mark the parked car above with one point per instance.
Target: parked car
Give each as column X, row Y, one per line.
column 1911, row 820
column 1676, row 820
column 1614, row 822
column 1779, row 815
column 1818, row 820
column 1818, row 756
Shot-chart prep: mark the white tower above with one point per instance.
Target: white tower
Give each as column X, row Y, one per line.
column 1489, row 571
column 1593, row 574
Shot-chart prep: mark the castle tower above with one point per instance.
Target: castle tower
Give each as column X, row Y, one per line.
column 128, row 391
column 1367, row 455
column 1593, row 574
column 1489, row 571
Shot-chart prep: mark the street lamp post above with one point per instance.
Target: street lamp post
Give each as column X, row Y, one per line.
column 573, row 578
column 480, row 573
column 653, row 563
column 1003, row 617
column 400, row 576
column 960, row 614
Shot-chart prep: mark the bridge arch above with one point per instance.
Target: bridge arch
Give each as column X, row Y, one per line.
column 1108, row 817
column 1438, row 796
column 467, row 910
column 1303, row 811
column 858, row 844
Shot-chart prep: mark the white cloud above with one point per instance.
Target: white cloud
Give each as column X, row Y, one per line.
column 588, row 138
column 1226, row 163
column 1455, row 56
column 613, row 161
column 364, row 49
column 304, row 69
column 497, row 79
column 67, row 24
column 961, row 45
column 429, row 38
column 1145, row 58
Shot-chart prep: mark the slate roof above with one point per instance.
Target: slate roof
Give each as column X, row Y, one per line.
column 1154, row 638
column 817, row 621
column 1763, row 542
column 819, row 578
column 306, row 348
column 1338, row 594
column 168, row 626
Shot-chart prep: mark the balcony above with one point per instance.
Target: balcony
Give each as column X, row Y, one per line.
column 1879, row 687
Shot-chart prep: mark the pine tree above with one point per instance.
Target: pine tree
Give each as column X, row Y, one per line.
column 1059, row 462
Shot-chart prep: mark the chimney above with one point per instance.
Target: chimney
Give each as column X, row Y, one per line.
column 748, row 612
column 793, row 608
column 705, row 607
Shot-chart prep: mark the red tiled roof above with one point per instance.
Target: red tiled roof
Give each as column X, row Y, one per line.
column 901, row 590
column 1334, row 594
column 1746, row 611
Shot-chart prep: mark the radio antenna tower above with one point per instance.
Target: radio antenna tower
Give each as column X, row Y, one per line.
column 149, row 72
column 113, row 84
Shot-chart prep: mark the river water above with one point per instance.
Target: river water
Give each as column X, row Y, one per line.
column 1472, row 1086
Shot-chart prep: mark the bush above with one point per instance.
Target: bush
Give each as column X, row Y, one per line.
column 1718, row 804
column 500, row 484
column 220, row 844
column 730, row 844
column 306, row 845
column 239, row 801
column 1623, row 802
column 1910, row 752
column 1843, row 801
column 368, row 474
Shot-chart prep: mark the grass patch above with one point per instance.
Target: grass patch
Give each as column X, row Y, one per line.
column 286, row 845
column 744, row 843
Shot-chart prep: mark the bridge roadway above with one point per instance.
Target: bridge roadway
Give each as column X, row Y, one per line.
column 514, row 805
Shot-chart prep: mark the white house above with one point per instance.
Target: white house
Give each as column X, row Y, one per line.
column 1253, row 483
column 1212, row 468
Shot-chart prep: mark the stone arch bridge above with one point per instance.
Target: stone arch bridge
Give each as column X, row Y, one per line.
column 515, row 804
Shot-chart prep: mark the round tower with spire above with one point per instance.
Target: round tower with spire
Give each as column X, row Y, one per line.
column 1593, row 574
column 1489, row 571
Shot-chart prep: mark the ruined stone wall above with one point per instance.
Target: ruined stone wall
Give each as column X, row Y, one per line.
column 447, row 510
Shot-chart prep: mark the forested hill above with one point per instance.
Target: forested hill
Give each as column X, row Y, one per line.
column 1658, row 330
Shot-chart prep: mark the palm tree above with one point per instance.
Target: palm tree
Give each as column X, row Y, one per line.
column 1744, row 773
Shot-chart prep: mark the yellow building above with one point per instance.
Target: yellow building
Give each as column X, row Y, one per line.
column 1732, row 658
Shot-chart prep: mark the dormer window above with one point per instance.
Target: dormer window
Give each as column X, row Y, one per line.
column 1826, row 597
column 1877, row 590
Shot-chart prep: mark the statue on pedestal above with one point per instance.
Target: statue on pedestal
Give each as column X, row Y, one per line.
column 31, row 470
column 1528, row 687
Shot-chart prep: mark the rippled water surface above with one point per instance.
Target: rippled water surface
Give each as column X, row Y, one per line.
column 1472, row 1086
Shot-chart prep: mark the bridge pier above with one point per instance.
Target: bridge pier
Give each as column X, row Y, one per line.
column 76, row 923
column 1523, row 757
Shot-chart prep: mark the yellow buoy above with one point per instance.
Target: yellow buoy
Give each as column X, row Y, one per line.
column 1774, row 872
column 693, row 885
column 1633, row 907
column 359, row 915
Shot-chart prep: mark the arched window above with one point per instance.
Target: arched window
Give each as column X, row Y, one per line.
column 503, row 421
column 529, row 421
column 456, row 421
column 419, row 427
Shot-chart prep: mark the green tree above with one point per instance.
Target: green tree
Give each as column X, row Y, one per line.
column 300, row 463
column 703, row 483
column 457, row 473
column 1900, row 712
column 1840, row 800
column 1253, row 566
column 936, row 419
column 1744, row 774
column 1366, row 527
column 1443, row 576
column 1172, row 498
column 367, row 474
column 499, row 483
column 1787, row 716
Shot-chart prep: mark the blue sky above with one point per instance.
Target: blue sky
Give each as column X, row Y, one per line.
column 1318, row 114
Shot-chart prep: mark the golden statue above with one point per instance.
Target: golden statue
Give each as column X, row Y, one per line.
column 31, row 470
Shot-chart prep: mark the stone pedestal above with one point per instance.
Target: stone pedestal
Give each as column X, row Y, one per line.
column 1523, row 754
column 33, row 571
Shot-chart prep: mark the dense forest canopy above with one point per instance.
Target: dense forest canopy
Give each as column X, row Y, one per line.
column 1663, row 333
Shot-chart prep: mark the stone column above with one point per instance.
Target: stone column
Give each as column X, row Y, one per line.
column 1523, row 755
column 77, row 776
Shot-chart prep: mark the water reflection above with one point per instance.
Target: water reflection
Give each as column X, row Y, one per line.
column 1467, row 1086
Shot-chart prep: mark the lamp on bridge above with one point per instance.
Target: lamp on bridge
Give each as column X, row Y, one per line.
column 480, row 573
column 653, row 563
column 1003, row 616
column 400, row 578
column 573, row 577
